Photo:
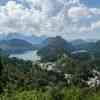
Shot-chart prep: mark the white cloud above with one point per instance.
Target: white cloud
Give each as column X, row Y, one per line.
column 16, row 18
column 95, row 11
column 95, row 25
column 47, row 17
column 70, row 1
column 75, row 12
column 85, row 29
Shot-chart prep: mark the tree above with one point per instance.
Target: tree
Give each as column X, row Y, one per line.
column 1, row 68
column 66, row 64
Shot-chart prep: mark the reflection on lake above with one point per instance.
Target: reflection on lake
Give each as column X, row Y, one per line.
column 29, row 55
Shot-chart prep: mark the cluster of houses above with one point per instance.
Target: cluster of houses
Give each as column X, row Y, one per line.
column 91, row 82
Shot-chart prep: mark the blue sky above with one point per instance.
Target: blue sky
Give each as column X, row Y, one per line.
column 92, row 3
column 68, row 18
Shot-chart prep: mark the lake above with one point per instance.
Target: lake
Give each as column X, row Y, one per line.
column 29, row 55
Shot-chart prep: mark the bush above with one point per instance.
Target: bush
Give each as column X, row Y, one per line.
column 27, row 95
column 71, row 93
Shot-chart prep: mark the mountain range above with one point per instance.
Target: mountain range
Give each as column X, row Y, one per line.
column 47, row 47
column 35, row 40
column 82, row 49
column 15, row 46
column 54, row 47
column 18, row 43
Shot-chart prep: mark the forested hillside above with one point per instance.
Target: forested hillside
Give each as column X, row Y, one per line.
column 65, row 78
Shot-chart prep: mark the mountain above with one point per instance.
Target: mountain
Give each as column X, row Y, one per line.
column 78, row 42
column 3, row 53
column 91, row 48
column 54, row 46
column 36, row 40
column 97, row 44
column 15, row 45
column 93, row 40
column 95, row 49
column 84, row 44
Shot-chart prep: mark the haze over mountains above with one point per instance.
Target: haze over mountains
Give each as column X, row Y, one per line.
column 55, row 46
column 46, row 46
column 29, row 38
column 18, row 43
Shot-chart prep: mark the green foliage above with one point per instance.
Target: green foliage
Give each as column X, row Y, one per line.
column 1, row 72
column 72, row 93
column 23, row 80
column 27, row 95
column 66, row 64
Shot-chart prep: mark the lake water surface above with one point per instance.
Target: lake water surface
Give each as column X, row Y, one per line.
column 29, row 55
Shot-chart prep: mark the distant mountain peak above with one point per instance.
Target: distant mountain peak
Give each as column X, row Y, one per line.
column 54, row 47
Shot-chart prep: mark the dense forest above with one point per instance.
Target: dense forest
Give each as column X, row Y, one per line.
column 66, row 78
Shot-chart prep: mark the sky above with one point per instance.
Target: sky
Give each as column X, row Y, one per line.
column 68, row 18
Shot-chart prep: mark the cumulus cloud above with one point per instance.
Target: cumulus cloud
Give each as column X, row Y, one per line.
column 78, row 12
column 16, row 18
column 85, row 29
column 95, row 11
column 38, row 19
column 48, row 17
column 95, row 25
